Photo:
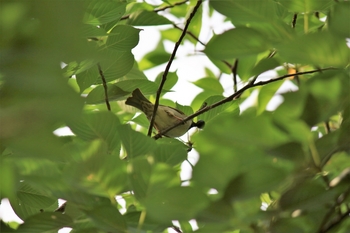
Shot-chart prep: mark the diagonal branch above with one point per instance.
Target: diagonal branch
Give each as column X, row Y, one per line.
column 104, row 86
column 167, row 68
column 236, row 95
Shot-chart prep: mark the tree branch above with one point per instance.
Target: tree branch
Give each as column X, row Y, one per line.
column 104, row 86
column 236, row 95
column 167, row 68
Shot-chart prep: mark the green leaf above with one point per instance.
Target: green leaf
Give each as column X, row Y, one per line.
column 123, row 38
column 163, row 177
column 115, row 64
column 181, row 203
column 209, row 115
column 102, row 12
column 97, row 95
column 156, row 57
column 33, row 198
column 196, row 23
column 170, row 151
column 135, row 143
column 171, row 80
column 141, row 120
column 25, row 211
column 245, row 67
column 210, row 84
column 139, row 171
column 8, row 170
column 85, row 172
column 147, row 18
column 74, row 67
column 242, row 12
column 229, row 139
column 291, row 151
column 265, row 65
column 320, row 48
column 308, row 195
column 98, row 125
column 185, row 109
column 145, row 85
column 90, row 31
column 248, row 184
column 337, row 17
column 265, row 95
column 107, row 218
column 306, row 6
column 235, row 43
column 45, row 222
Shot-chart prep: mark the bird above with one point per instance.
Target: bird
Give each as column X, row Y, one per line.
column 166, row 116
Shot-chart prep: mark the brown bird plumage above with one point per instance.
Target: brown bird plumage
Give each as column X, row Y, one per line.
column 166, row 116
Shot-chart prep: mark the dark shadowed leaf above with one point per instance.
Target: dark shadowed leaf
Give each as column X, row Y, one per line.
column 321, row 48
column 98, row 125
column 45, row 222
column 181, row 203
column 107, row 218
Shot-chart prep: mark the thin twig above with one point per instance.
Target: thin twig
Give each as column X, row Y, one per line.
column 167, row 68
column 159, row 9
column 104, row 86
column 234, row 72
column 327, row 127
column 294, row 21
column 177, row 229
column 170, row 6
column 236, row 95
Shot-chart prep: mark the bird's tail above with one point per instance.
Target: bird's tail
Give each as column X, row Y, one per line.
column 136, row 99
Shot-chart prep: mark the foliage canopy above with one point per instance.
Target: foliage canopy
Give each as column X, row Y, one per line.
column 69, row 63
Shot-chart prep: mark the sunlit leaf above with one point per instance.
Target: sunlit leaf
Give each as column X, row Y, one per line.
column 135, row 143
column 102, row 12
column 147, row 18
column 235, row 43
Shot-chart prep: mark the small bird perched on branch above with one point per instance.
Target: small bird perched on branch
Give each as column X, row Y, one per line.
column 166, row 116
